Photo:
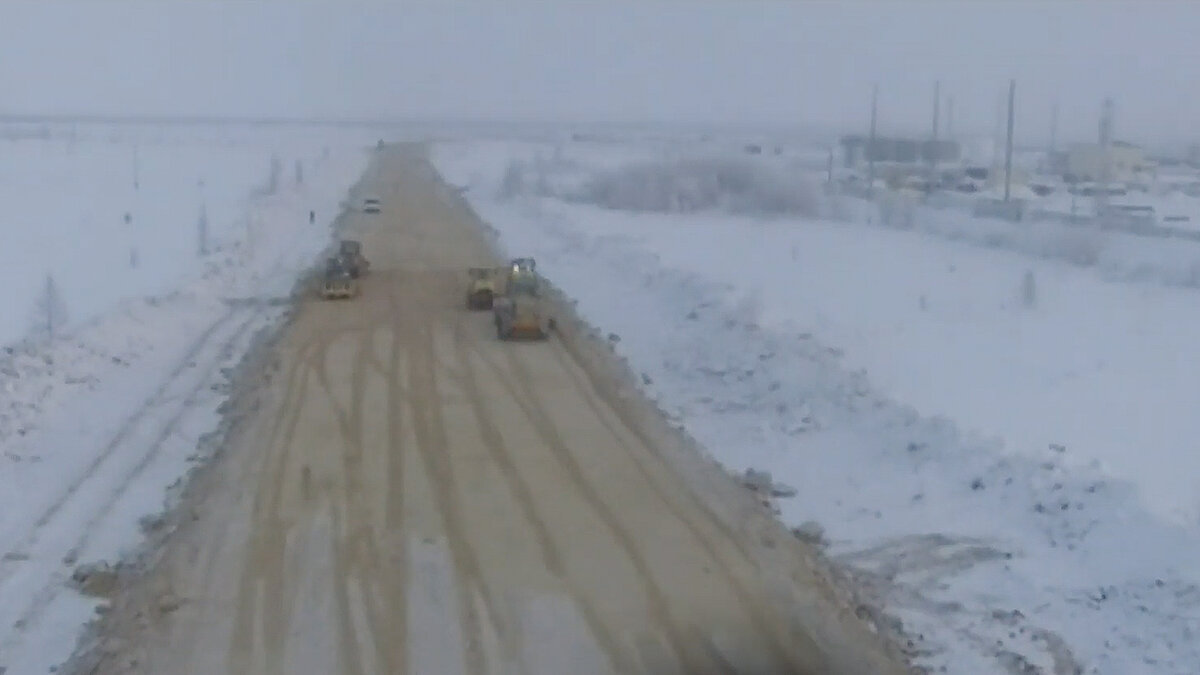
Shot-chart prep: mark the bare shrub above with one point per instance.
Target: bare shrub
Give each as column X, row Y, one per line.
column 1029, row 290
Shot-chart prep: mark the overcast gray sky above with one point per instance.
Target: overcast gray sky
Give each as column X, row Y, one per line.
column 802, row 62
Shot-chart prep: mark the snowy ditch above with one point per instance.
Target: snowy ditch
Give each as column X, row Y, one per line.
column 989, row 560
column 100, row 425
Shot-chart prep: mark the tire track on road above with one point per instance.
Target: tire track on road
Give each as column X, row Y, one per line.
column 393, row 518
column 761, row 617
column 277, row 605
column 262, row 553
column 523, row 391
column 352, row 548
column 361, row 548
column 551, row 555
column 289, row 408
column 597, row 385
column 348, row 655
column 432, row 446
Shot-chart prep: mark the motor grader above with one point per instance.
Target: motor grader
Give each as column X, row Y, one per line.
column 484, row 284
column 522, row 310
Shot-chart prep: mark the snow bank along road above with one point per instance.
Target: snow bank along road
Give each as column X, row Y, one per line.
column 407, row 494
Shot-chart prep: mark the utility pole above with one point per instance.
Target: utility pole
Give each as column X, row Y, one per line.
column 950, row 118
column 998, row 137
column 1054, row 127
column 202, row 232
column 1106, row 123
column 1008, row 146
column 933, row 147
column 871, row 142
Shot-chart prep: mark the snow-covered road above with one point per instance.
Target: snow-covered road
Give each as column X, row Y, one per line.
column 409, row 494
column 996, row 444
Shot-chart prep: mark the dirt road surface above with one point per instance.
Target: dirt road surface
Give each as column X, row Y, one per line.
column 407, row 494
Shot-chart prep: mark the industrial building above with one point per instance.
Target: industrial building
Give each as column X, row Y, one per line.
column 1127, row 163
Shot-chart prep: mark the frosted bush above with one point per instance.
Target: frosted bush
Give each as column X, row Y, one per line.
column 691, row 185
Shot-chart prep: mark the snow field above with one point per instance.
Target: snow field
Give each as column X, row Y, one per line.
column 1005, row 465
column 99, row 423
column 66, row 201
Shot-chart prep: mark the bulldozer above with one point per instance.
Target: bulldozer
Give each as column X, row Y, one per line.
column 350, row 251
column 339, row 282
column 481, row 287
column 522, row 311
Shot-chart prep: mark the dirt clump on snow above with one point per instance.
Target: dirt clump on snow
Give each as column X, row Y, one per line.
column 97, row 580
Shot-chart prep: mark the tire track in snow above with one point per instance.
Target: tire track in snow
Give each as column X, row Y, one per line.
column 56, row 584
column 165, row 433
column 8, row 562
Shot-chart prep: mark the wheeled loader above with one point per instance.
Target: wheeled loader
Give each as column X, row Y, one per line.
column 338, row 282
column 522, row 311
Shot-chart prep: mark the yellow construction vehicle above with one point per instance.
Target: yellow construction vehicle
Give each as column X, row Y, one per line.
column 339, row 281
column 522, row 311
column 481, row 287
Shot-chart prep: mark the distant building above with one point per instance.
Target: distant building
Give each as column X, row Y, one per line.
column 1126, row 163
column 859, row 150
